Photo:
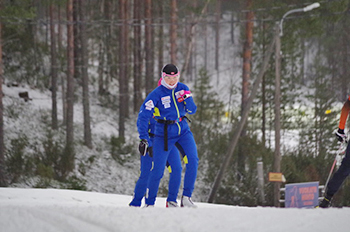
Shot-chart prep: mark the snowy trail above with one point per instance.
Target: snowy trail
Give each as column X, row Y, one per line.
column 43, row 210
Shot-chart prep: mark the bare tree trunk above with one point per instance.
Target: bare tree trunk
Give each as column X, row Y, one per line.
column 238, row 130
column 192, row 62
column 108, row 46
column 59, row 29
column 192, row 38
column 123, row 54
column 3, row 177
column 247, row 55
column 206, row 43
column 232, row 28
column 100, row 70
column 64, row 100
column 247, row 59
column 54, row 123
column 63, row 83
column 85, row 77
column 217, row 33
column 161, row 37
column 101, row 54
column 173, row 32
column 77, row 46
column 149, row 49
column 126, row 97
column 137, row 55
column 121, row 68
column 68, row 157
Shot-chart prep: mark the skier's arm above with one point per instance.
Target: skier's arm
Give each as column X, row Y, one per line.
column 145, row 114
column 190, row 106
column 344, row 114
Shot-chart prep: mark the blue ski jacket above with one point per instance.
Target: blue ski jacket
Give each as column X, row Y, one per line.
column 166, row 102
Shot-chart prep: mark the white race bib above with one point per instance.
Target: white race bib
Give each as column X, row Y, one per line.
column 149, row 105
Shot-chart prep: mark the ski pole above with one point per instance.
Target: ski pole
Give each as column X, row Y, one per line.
column 340, row 150
column 331, row 171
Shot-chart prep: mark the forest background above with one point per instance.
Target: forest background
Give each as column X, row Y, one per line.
column 95, row 61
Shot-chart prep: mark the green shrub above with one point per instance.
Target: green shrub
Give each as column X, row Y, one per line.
column 74, row 183
column 120, row 151
column 15, row 159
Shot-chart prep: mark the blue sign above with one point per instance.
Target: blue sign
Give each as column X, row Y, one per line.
column 301, row 195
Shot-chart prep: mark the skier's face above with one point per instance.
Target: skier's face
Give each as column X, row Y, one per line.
column 171, row 79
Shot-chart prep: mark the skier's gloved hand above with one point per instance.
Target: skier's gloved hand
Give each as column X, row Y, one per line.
column 340, row 135
column 182, row 95
column 143, row 147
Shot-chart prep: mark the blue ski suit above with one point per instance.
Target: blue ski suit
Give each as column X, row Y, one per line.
column 171, row 130
column 173, row 164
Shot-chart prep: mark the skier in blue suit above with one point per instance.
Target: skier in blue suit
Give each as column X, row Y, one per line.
column 173, row 99
column 173, row 165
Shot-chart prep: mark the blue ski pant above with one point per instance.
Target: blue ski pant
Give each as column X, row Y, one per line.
column 145, row 168
column 187, row 146
column 340, row 175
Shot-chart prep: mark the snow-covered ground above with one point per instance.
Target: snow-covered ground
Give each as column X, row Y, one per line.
column 45, row 210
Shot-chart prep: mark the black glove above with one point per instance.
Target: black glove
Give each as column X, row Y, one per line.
column 340, row 135
column 143, row 147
